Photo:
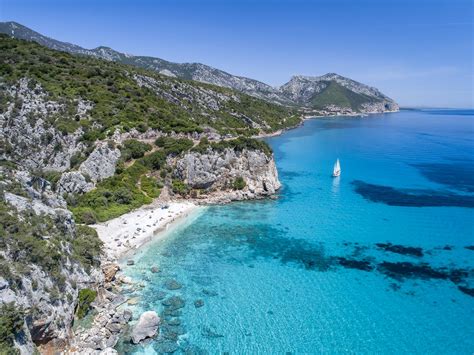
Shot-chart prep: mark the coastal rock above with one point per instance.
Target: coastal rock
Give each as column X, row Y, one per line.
column 110, row 270
column 73, row 182
column 146, row 327
column 101, row 162
column 217, row 171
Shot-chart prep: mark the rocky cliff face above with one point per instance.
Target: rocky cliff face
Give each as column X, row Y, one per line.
column 218, row 171
column 43, row 265
column 27, row 134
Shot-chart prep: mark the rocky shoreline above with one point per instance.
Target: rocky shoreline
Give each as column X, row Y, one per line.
column 111, row 319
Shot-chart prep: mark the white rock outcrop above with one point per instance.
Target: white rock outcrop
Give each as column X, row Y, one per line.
column 146, row 327
column 73, row 182
column 215, row 171
column 101, row 163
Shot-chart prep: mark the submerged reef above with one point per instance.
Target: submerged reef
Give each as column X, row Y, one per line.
column 400, row 249
column 411, row 197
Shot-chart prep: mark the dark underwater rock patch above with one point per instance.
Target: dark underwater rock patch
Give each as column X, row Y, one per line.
column 459, row 176
column 198, row 303
column 172, row 284
column 400, row 249
column 466, row 290
column 173, row 303
column 174, row 321
column 160, row 295
column 458, row 275
column 167, row 347
column 411, row 197
column 210, row 332
column 400, row 270
column 403, row 270
column 363, row 265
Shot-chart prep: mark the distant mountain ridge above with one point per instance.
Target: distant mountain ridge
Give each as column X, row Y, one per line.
column 329, row 93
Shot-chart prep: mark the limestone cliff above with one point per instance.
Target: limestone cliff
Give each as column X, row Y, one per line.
column 220, row 170
column 45, row 259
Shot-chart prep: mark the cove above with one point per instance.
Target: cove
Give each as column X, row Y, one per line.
column 324, row 268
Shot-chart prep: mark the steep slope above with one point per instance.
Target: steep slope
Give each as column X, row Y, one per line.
column 99, row 96
column 189, row 71
column 45, row 262
column 299, row 91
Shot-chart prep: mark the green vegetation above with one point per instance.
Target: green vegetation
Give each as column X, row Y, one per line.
column 133, row 149
column 150, row 186
column 118, row 100
column 40, row 240
column 174, row 146
column 43, row 241
column 11, row 323
column 237, row 144
column 132, row 186
column 239, row 183
column 180, row 187
column 87, row 246
column 155, row 160
column 86, row 297
column 335, row 94
column 113, row 196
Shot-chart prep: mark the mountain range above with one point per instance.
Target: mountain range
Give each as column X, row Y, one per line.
column 326, row 94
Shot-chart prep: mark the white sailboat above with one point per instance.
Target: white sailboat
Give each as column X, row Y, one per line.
column 337, row 169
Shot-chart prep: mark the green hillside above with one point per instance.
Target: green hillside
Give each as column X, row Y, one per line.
column 336, row 94
column 119, row 101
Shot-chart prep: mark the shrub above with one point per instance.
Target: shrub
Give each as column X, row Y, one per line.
column 239, row 183
column 179, row 187
column 237, row 144
column 87, row 246
column 174, row 146
column 123, row 196
column 134, row 149
column 150, row 186
column 76, row 159
column 11, row 323
column 86, row 297
column 88, row 217
column 155, row 160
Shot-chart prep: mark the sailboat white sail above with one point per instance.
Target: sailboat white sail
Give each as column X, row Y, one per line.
column 337, row 169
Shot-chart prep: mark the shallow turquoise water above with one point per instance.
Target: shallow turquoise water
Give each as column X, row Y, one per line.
column 270, row 274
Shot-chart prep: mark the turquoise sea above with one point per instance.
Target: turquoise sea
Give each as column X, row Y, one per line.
column 380, row 260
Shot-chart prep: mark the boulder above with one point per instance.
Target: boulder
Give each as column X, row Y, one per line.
column 110, row 270
column 146, row 327
column 172, row 284
column 73, row 182
column 101, row 162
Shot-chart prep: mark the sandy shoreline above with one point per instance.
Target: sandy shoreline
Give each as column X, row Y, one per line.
column 132, row 230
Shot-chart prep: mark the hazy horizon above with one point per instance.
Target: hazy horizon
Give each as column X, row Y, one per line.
column 419, row 53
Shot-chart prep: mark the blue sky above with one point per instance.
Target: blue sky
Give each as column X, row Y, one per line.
column 418, row 52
